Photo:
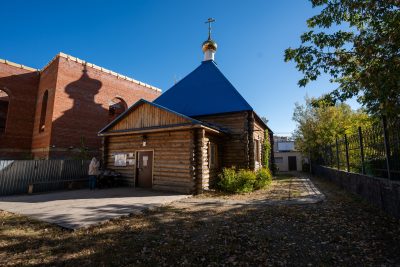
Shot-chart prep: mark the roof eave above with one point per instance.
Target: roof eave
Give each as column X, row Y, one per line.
column 159, row 129
column 262, row 122
column 143, row 101
column 16, row 65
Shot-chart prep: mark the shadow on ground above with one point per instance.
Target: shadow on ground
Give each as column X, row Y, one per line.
column 82, row 208
column 343, row 230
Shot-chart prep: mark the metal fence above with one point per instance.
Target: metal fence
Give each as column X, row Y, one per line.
column 373, row 151
column 20, row 176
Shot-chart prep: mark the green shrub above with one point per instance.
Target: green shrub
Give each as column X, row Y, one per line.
column 263, row 178
column 267, row 151
column 246, row 180
column 243, row 181
column 227, row 180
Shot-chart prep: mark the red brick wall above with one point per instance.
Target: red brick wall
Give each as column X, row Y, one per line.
column 81, row 105
column 41, row 140
column 77, row 107
column 21, row 86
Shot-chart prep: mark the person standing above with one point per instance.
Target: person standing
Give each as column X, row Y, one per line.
column 93, row 173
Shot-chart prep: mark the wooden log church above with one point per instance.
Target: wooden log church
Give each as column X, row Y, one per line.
column 182, row 140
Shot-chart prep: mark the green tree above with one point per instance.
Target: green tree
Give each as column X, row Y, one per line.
column 318, row 126
column 357, row 43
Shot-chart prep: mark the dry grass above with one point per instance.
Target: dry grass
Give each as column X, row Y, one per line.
column 340, row 231
column 282, row 187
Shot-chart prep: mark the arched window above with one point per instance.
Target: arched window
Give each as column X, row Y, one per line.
column 4, row 103
column 43, row 111
column 116, row 107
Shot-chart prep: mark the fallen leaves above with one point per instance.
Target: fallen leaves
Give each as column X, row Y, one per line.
column 340, row 231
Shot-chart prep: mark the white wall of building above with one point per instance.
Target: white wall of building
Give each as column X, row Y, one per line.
column 282, row 160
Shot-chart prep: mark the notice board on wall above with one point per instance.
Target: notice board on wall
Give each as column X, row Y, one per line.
column 120, row 160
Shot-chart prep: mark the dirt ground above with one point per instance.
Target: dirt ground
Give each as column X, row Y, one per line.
column 342, row 230
column 288, row 186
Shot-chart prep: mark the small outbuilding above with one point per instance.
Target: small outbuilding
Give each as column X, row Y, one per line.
column 182, row 140
column 286, row 156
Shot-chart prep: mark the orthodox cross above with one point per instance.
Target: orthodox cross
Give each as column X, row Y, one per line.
column 209, row 21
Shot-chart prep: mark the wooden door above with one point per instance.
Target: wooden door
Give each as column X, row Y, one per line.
column 145, row 169
column 292, row 163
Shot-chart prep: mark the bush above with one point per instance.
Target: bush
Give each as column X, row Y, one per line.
column 263, row 178
column 243, row 181
column 246, row 180
column 227, row 180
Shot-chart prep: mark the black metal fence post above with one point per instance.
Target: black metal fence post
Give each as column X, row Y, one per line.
column 373, row 150
column 337, row 154
column 347, row 153
column 386, row 144
column 360, row 138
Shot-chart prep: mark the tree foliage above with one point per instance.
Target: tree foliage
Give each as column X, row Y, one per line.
column 357, row 43
column 318, row 126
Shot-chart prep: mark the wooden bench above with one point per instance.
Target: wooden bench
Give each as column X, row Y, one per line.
column 70, row 183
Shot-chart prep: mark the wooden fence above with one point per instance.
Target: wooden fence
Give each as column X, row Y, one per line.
column 22, row 176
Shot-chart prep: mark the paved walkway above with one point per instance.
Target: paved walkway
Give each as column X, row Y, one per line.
column 305, row 190
column 296, row 190
column 82, row 208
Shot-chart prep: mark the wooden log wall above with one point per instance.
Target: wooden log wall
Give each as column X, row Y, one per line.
column 259, row 134
column 173, row 152
column 206, row 175
column 238, row 149
column 193, row 159
column 213, row 171
column 250, row 154
column 201, row 167
column 234, row 148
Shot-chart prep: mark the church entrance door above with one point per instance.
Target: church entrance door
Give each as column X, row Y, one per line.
column 145, row 169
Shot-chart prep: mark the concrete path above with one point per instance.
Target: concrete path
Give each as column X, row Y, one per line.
column 82, row 208
column 297, row 190
column 307, row 192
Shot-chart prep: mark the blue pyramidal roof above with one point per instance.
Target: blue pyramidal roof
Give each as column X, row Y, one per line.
column 204, row 91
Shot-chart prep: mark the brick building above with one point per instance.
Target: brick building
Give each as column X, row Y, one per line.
column 56, row 112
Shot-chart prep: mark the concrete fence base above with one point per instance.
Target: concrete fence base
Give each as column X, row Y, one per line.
column 382, row 193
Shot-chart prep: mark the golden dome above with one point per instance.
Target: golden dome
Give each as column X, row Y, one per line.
column 209, row 44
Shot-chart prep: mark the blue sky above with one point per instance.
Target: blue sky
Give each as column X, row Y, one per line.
column 159, row 41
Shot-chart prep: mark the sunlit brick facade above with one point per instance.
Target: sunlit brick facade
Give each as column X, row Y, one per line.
column 56, row 112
